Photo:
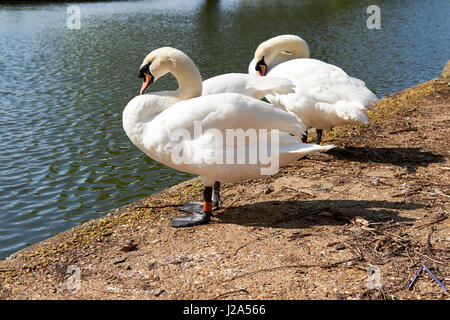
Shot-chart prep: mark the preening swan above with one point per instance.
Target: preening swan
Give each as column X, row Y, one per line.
column 186, row 131
column 325, row 96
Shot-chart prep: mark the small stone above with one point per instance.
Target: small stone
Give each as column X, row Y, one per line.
column 336, row 296
column 152, row 264
column 268, row 190
column 340, row 247
column 362, row 222
column 131, row 246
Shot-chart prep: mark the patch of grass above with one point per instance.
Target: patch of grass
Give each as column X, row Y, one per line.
column 396, row 103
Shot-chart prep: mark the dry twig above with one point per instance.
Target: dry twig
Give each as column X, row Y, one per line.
column 230, row 292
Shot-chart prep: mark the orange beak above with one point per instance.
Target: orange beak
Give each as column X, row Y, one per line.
column 262, row 71
column 147, row 81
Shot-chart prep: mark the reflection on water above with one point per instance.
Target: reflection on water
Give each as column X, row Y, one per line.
column 64, row 156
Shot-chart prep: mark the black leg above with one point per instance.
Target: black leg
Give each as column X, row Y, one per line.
column 319, row 135
column 216, row 196
column 198, row 216
column 192, row 207
column 305, row 137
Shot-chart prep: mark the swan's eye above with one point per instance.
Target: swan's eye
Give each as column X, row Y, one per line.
column 144, row 69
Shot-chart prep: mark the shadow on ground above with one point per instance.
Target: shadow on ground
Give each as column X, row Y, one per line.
column 412, row 157
column 303, row 214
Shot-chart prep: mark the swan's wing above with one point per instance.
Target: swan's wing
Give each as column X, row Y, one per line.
column 197, row 120
column 249, row 85
column 228, row 111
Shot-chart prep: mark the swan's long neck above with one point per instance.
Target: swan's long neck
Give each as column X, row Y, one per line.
column 189, row 80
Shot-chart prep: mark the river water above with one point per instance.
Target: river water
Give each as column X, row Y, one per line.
column 64, row 157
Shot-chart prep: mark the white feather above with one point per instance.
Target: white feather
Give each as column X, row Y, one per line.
column 249, row 85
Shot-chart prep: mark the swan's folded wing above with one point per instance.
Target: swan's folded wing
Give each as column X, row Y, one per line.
column 194, row 134
column 222, row 112
column 236, row 111
column 249, row 85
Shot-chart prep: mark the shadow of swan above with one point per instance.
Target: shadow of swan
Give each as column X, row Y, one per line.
column 411, row 157
column 302, row 214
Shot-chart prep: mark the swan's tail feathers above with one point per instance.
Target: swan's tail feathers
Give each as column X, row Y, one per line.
column 263, row 86
column 368, row 99
column 362, row 94
column 352, row 111
column 297, row 128
column 374, row 99
column 345, row 112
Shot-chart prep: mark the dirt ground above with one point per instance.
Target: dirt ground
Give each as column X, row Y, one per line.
column 354, row 223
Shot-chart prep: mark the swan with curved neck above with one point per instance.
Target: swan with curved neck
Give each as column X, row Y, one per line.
column 325, row 96
column 279, row 49
column 166, row 59
column 164, row 126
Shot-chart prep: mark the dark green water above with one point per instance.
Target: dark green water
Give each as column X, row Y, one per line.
column 64, row 158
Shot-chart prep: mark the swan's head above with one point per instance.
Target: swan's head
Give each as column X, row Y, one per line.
column 159, row 62
column 276, row 50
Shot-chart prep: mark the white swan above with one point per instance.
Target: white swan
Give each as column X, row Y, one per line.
column 325, row 96
column 165, row 126
column 249, row 85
